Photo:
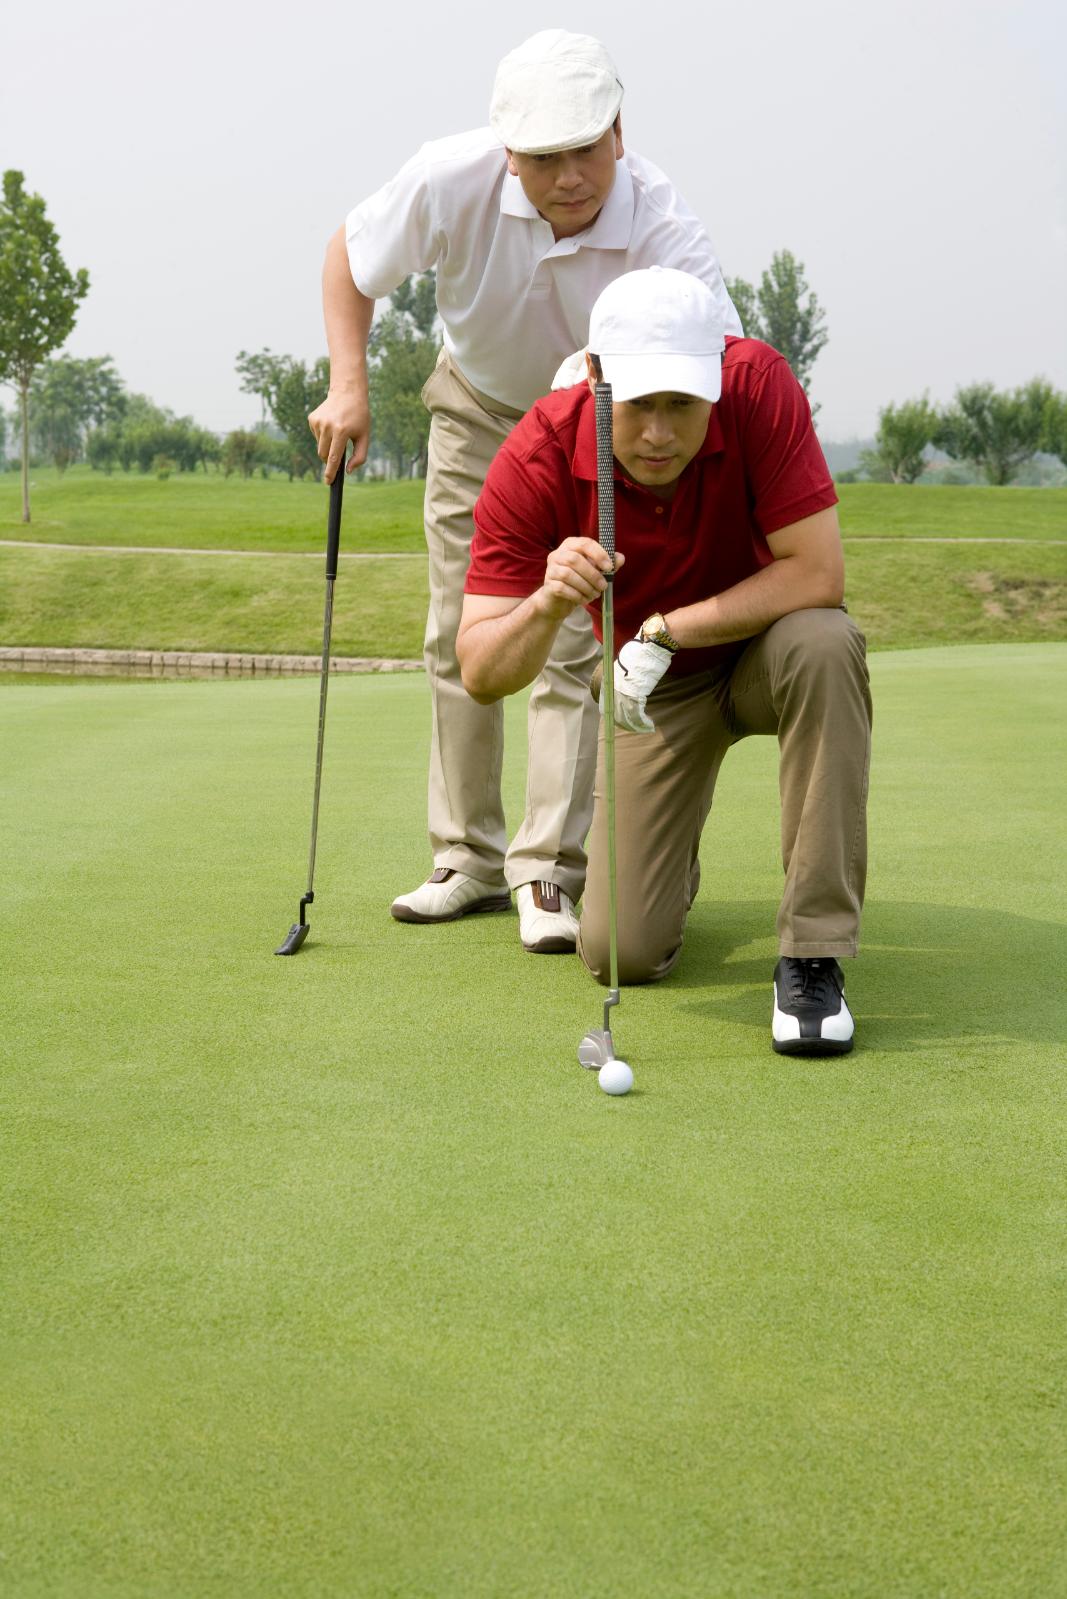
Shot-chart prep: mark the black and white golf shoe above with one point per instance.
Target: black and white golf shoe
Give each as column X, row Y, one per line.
column 810, row 1013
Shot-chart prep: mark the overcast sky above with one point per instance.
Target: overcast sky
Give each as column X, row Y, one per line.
column 195, row 159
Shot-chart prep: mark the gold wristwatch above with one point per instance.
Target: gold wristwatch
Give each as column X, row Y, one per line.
column 654, row 630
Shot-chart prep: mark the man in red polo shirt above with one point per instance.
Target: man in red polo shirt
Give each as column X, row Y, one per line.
column 728, row 594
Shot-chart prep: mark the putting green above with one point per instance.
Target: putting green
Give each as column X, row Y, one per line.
column 337, row 1276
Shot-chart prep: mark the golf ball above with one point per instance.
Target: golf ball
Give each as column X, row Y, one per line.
column 615, row 1077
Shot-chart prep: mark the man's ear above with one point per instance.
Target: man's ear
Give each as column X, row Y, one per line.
column 619, row 151
column 590, row 371
column 512, row 168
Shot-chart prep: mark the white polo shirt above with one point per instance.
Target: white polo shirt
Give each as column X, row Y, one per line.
column 514, row 301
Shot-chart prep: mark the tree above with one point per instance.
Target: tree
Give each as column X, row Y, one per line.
column 401, row 354
column 416, row 299
column 783, row 312
column 290, row 389
column 146, row 432
column 39, row 299
column 240, row 452
column 295, row 394
column 401, row 351
column 996, row 430
column 904, row 431
column 1054, row 427
column 400, row 362
column 257, row 373
column 66, row 396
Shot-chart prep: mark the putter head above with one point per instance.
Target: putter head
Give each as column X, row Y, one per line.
column 293, row 939
column 595, row 1049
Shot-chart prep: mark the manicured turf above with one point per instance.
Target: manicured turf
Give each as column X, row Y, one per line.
column 205, row 510
column 902, row 594
column 943, row 510
column 336, row 1276
column 208, row 511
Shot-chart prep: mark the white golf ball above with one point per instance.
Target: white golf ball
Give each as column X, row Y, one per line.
column 615, row 1077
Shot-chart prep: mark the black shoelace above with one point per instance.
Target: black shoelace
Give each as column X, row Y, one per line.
column 811, row 982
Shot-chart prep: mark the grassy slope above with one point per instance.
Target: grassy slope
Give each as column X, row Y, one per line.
column 324, row 1278
column 902, row 596
column 201, row 511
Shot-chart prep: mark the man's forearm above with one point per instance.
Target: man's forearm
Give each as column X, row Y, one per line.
column 348, row 314
column 751, row 606
column 502, row 654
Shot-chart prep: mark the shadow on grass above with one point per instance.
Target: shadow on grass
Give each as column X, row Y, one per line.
column 925, row 973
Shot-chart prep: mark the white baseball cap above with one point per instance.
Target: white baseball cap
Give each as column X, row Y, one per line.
column 659, row 331
column 558, row 91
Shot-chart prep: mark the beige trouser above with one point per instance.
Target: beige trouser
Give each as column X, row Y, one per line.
column 466, row 813
column 805, row 680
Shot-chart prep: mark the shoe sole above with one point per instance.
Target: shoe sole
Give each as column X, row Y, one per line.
column 553, row 945
column 479, row 907
column 811, row 1046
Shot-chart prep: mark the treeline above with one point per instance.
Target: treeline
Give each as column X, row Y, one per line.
column 401, row 351
column 79, row 410
column 996, row 432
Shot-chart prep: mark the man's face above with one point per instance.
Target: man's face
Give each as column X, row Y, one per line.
column 569, row 187
column 657, row 435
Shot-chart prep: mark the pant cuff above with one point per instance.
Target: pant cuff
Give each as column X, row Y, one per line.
column 461, row 860
column 805, row 949
column 572, row 883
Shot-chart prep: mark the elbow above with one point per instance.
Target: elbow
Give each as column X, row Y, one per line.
column 832, row 584
column 480, row 695
column 481, row 691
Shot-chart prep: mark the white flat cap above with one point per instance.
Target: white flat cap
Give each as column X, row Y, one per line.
column 557, row 91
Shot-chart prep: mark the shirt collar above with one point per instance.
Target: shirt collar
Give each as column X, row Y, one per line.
column 610, row 231
column 583, row 461
column 513, row 201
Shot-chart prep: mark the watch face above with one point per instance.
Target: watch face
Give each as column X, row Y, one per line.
column 654, row 630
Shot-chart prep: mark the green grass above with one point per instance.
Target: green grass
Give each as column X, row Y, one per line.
column 200, row 510
column 275, row 605
column 945, row 511
column 903, row 596
column 336, row 1276
column 208, row 511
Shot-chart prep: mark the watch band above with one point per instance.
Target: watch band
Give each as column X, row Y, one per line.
column 654, row 630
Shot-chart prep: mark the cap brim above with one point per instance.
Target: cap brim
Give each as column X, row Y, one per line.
column 529, row 138
column 632, row 376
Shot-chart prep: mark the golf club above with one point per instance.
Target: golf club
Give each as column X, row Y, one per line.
column 299, row 930
column 597, row 1047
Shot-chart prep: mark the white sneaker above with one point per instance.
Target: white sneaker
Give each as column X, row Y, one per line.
column 447, row 895
column 547, row 923
column 810, row 1014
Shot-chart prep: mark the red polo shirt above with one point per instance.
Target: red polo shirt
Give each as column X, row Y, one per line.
column 759, row 469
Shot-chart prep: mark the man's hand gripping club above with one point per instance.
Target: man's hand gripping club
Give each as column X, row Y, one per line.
column 504, row 643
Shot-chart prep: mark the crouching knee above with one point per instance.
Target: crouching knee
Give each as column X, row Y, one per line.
column 639, row 962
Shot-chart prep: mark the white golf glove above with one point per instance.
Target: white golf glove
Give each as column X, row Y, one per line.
column 638, row 668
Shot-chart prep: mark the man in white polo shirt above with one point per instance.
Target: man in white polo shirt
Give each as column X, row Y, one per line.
column 525, row 223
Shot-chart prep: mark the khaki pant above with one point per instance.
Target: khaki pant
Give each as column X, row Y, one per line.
column 805, row 680
column 466, row 814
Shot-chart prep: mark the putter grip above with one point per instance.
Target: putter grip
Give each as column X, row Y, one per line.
column 333, row 526
column 605, row 469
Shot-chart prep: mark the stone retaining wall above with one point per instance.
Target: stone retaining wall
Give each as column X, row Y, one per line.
column 182, row 663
